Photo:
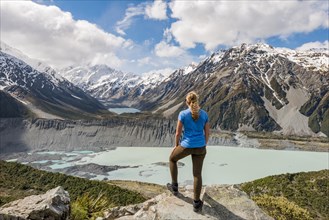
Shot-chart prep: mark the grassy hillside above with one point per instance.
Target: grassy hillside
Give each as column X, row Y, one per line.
column 18, row 181
column 148, row 190
column 292, row 196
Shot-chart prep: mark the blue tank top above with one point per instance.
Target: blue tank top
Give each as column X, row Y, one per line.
column 193, row 136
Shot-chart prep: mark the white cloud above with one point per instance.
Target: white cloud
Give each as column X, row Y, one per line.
column 166, row 72
column 53, row 36
column 144, row 61
column 167, row 35
column 215, row 23
column 203, row 56
column 316, row 44
column 163, row 49
column 131, row 12
column 157, row 11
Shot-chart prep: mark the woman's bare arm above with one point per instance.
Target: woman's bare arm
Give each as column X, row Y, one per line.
column 179, row 129
column 207, row 132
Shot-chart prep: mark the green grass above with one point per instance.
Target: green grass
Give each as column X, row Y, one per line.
column 18, row 181
column 292, row 196
column 281, row 208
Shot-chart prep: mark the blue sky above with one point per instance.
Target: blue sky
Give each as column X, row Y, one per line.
column 142, row 36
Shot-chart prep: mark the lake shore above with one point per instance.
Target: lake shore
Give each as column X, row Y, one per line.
column 278, row 141
column 223, row 165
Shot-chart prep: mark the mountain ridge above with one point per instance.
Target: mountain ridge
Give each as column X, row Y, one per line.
column 233, row 85
column 244, row 88
column 45, row 93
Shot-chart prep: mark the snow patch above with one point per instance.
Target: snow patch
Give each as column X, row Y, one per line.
column 289, row 117
column 76, row 97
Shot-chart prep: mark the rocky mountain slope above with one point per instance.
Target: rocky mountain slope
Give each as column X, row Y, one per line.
column 111, row 86
column 244, row 88
column 11, row 107
column 250, row 87
column 45, row 93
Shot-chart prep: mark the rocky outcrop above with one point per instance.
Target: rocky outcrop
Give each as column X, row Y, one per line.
column 224, row 202
column 67, row 135
column 53, row 205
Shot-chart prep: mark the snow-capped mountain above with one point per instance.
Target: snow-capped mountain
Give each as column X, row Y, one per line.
column 45, row 93
column 36, row 64
column 247, row 87
column 111, row 86
column 252, row 87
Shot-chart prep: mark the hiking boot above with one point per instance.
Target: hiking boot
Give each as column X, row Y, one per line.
column 197, row 205
column 173, row 187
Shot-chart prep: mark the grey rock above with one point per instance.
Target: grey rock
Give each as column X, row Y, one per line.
column 223, row 202
column 91, row 168
column 53, row 205
column 118, row 212
column 231, row 203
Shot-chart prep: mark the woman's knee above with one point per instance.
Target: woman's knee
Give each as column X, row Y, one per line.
column 172, row 159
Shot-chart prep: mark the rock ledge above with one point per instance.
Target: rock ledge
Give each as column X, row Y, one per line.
column 53, row 205
column 223, row 202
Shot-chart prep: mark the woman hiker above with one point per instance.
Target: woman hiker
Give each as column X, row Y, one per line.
column 195, row 138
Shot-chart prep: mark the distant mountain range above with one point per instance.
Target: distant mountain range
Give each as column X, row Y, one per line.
column 42, row 92
column 247, row 87
column 111, row 86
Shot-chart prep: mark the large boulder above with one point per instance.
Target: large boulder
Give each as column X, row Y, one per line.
column 53, row 205
column 223, row 202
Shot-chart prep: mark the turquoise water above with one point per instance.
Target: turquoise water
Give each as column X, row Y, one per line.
column 61, row 165
column 123, row 110
column 41, row 161
column 222, row 165
column 67, row 158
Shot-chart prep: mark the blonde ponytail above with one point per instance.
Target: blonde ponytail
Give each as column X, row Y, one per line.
column 192, row 100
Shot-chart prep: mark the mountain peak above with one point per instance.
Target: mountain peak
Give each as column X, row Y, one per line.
column 254, row 47
column 35, row 63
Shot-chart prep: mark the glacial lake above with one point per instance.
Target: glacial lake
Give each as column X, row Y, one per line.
column 123, row 110
column 222, row 165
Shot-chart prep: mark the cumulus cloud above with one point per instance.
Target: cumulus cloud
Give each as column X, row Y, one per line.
column 158, row 10
column 163, row 49
column 316, row 44
column 215, row 23
column 53, row 36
